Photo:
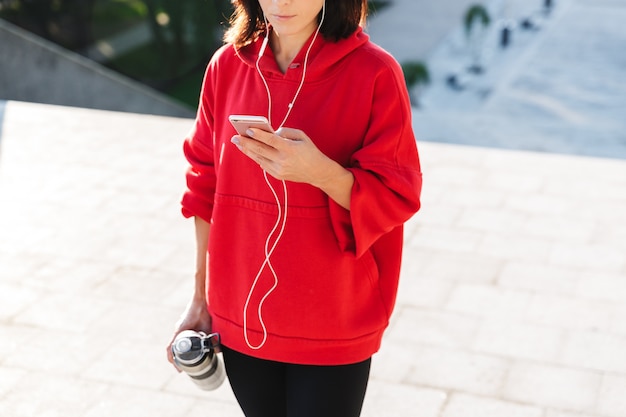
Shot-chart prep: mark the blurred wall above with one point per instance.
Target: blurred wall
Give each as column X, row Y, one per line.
column 33, row 69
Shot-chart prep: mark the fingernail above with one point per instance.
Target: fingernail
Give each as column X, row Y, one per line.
column 250, row 133
column 235, row 140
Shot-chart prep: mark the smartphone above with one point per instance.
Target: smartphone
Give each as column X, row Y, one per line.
column 241, row 123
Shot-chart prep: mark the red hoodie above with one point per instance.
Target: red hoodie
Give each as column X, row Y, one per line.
column 337, row 270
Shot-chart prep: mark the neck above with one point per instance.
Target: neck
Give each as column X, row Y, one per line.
column 286, row 48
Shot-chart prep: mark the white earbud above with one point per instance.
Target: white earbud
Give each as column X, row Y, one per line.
column 263, row 46
column 267, row 37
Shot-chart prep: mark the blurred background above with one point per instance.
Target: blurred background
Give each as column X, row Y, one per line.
column 163, row 44
column 544, row 72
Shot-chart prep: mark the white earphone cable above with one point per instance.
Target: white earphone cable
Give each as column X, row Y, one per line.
column 281, row 219
column 268, row 263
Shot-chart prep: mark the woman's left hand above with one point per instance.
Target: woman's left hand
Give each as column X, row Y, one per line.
column 289, row 154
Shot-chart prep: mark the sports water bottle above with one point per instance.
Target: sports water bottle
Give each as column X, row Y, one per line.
column 195, row 354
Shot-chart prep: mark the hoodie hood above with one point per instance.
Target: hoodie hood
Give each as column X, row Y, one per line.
column 323, row 57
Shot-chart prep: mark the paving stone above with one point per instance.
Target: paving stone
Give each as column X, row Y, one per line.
column 206, row 407
column 132, row 363
column 385, row 399
column 603, row 258
column 557, row 413
column 513, row 247
column 414, row 261
column 59, row 274
column 463, row 405
column 50, row 395
column 560, row 228
column 181, row 384
column 9, row 378
column 455, row 175
column 551, row 386
column 137, row 321
column 434, row 328
column 602, row 286
column 612, row 401
column 13, row 299
column 54, row 351
column 541, row 204
column 134, row 402
column 456, row 370
column 524, row 182
column 422, row 292
column 448, row 239
column 64, row 312
column 609, row 189
column 569, row 313
column 14, row 267
column 488, row 301
column 440, row 214
column 13, row 337
column 459, row 267
column 180, row 296
column 128, row 283
column 540, row 277
column 476, row 197
column 595, row 350
column 493, row 220
column 610, row 212
column 128, row 252
column 471, row 157
column 518, row 340
column 618, row 324
column 393, row 362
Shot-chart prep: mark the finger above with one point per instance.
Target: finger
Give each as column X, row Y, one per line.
column 292, row 134
column 236, row 140
column 254, row 149
column 259, row 160
column 270, row 139
column 170, row 359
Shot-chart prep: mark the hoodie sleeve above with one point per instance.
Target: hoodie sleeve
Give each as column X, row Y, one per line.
column 388, row 179
column 198, row 149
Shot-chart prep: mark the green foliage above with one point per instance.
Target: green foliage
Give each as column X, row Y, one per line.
column 415, row 73
column 183, row 32
column 112, row 10
column 376, row 6
column 476, row 13
column 187, row 89
column 113, row 16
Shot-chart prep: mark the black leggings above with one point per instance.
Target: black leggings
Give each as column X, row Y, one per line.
column 274, row 389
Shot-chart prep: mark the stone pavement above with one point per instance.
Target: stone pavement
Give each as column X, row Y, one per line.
column 512, row 301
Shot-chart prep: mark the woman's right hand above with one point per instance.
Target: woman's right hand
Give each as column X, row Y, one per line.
column 195, row 317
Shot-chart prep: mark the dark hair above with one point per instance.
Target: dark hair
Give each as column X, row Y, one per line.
column 342, row 18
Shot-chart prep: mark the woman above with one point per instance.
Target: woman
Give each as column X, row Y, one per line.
column 303, row 226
